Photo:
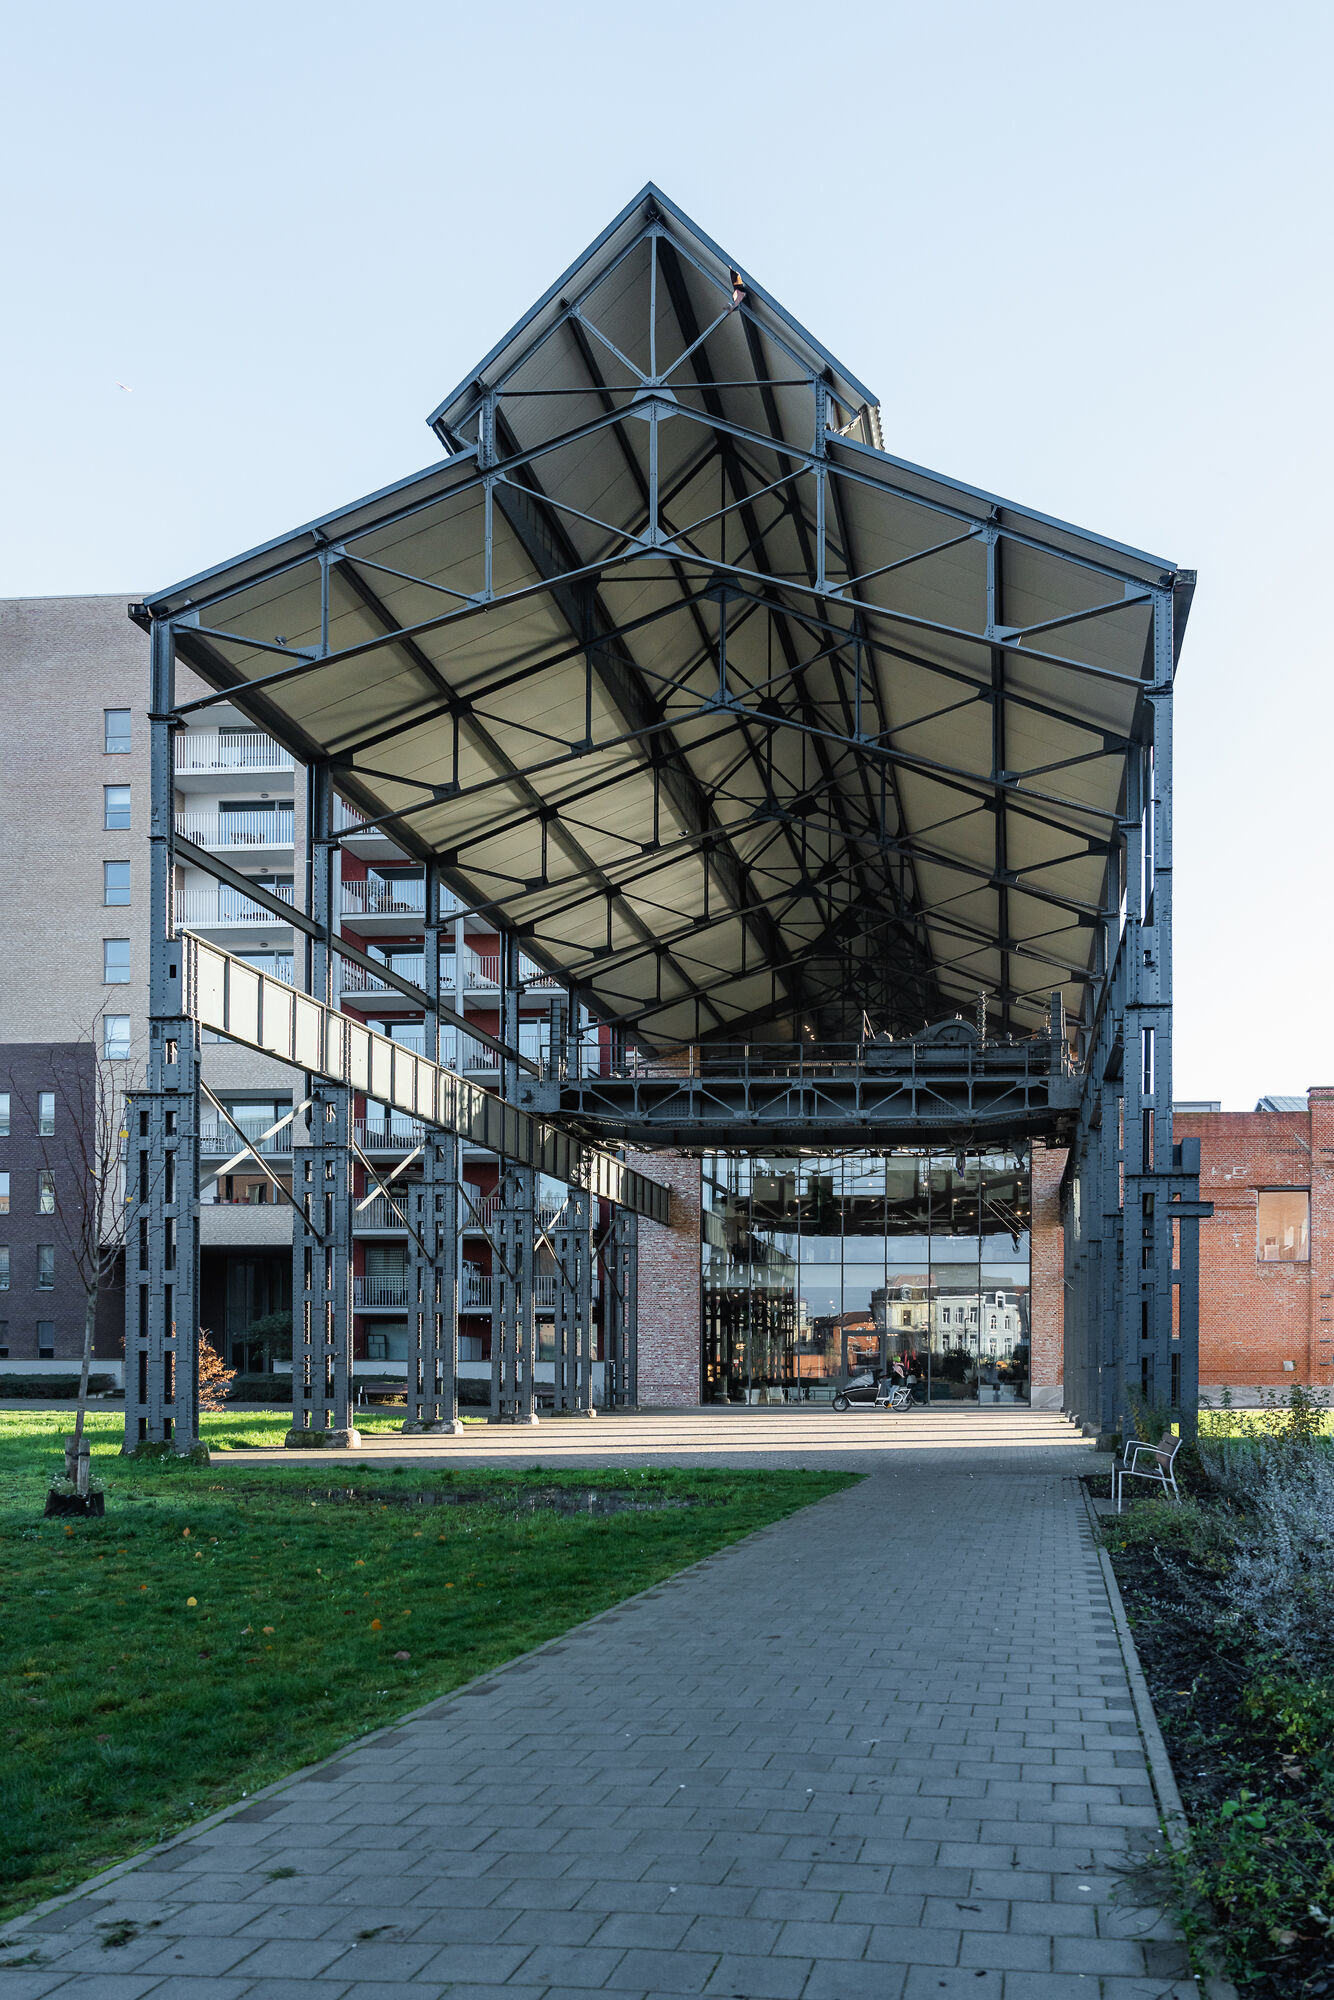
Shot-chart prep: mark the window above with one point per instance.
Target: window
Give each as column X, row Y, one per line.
column 46, row 1113
column 46, row 1340
column 115, row 808
column 4, row 1114
column 46, row 1267
column 4, row 1267
column 46, row 1192
column 4, row 1194
column 116, row 724
column 4, row 1340
column 115, row 882
column 115, row 961
column 1283, row 1226
column 116, row 1037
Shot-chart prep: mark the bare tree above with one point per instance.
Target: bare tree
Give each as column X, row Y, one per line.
column 84, row 1159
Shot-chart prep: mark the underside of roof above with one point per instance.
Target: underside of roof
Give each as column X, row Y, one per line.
column 740, row 722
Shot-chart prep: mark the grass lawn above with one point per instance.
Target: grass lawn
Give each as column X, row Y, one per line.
column 220, row 1628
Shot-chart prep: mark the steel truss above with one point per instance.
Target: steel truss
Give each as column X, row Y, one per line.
column 736, row 722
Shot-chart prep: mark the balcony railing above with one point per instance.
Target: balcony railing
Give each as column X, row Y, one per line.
column 356, row 979
column 396, row 1135
column 278, row 965
column 217, row 1137
column 380, row 1291
column 223, row 750
column 377, row 1214
column 475, row 1292
column 380, row 897
column 224, row 908
column 238, row 829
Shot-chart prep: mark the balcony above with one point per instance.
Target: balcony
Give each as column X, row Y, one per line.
column 274, row 831
column 218, row 751
column 381, row 897
column 225, row 909
column 380, row 1294
column 397, row 1135
column 356, row 979
column 217, row 1137
column 378, row 1215
column 474, row 1291
column 481, row 970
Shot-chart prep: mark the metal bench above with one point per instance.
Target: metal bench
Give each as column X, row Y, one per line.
column 1155, row 1462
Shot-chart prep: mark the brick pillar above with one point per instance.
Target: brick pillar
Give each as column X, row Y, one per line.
column 1047, row 1281
column 669, row 1287
column 1320, row 1347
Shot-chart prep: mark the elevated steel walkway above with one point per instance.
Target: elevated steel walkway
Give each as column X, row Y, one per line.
column 941, row 1087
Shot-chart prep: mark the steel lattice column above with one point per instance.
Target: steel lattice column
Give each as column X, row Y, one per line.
column 162, row 1241
column 512, row 1327
column 433, row 1254
column 433, row 1282
column 620, row 1310
column 322, row 1181
column 572, row 1244
column 322, row 1283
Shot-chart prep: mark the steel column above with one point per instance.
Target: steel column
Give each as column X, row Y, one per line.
column 162, row 1241
column 620, row 1311
column 433, row 1262
column 322, row 1181
column 513, row 1333
column 572, row 1244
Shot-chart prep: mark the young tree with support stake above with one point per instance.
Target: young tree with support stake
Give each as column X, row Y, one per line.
column 84, row 1157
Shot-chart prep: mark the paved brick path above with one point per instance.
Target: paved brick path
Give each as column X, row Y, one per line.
column 884, row 1749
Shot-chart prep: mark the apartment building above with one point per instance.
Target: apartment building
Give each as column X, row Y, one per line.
column 74, row 986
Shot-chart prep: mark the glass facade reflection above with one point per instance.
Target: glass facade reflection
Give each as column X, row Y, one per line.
column 821, row 1265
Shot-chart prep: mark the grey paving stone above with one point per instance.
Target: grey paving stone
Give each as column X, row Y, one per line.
column 663, row 1971
column 476, row 1964
column 759, row 1978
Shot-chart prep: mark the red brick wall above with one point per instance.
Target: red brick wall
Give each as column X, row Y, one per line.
column 669, row 1287
column 1255, row 1316
column 1047, row 1279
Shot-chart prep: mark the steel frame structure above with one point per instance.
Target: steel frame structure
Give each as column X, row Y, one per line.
column 740, row 726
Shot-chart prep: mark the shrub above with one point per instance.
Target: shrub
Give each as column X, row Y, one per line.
column 1300, row 1713
column 1197, row 1533
column 1280, row 1582
column 1153, row 1421
column 273, row 1391
column 53, row 1388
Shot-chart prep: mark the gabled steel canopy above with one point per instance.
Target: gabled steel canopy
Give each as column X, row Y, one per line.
column 733, row 716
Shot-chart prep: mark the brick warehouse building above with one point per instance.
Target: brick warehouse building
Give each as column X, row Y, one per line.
column 1267, row 1256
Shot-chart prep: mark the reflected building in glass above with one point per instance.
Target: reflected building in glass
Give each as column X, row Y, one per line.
column 820, row 1266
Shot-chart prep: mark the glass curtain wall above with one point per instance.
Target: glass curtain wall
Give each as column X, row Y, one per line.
column 824, row 1266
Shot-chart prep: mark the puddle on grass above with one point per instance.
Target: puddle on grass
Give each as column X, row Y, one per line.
column 529, row 1500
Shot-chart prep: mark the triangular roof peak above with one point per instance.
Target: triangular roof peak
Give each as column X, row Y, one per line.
column 693, row 261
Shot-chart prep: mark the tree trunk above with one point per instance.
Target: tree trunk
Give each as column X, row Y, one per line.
column 75, row 1448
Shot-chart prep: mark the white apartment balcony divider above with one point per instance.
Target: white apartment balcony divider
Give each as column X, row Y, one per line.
column 217, row 750
column 239, row 829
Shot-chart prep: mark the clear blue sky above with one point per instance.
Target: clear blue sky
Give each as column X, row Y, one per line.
column 1083, row 254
